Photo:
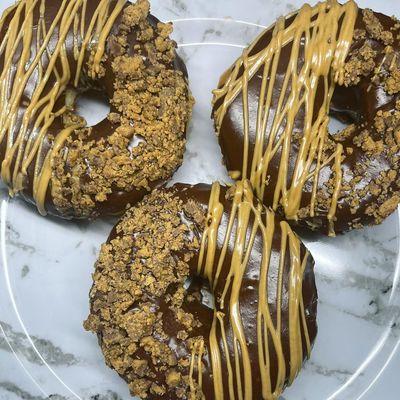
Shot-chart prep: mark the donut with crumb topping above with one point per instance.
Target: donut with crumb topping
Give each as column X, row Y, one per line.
column 202, row 293
column 273, row 107
column 54, row 50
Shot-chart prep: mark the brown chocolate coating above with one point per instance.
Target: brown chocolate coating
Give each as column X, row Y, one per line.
column 117, row 199
column 370, row 183
column 195, row 302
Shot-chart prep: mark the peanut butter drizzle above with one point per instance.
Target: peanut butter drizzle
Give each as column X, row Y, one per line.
column 247, row 218
column 24, row 143
column 326, row 46
column 196, row 358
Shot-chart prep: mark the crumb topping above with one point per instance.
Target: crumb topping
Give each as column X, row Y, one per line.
column 392, row 81
column 151, row 106
column 146, row 263
column 370, row 184
column 375, row 28
column 375, row 177
column 366, row 60
column 361, row 63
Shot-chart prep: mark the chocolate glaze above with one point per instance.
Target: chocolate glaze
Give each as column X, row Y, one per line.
column 118, row 200
column 248, row 302
column 357, row 104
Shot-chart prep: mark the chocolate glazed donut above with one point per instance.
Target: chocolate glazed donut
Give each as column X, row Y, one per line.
column 157, row 326
column 272, row 111
column 53, row 50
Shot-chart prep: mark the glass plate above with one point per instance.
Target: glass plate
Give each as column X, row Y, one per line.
column 46, row 264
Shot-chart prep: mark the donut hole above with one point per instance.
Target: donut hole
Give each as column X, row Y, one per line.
column 337, row 125
column 199, row 289
column 92, row 105
column 135, row 142
column 198, row 301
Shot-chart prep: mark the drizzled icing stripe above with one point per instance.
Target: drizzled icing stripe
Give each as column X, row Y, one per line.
column 25, row 142
column 196, row 359
column 325, row 33
column 248, row 219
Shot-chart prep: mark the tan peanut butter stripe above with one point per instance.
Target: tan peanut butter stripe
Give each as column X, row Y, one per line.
column 325, row 33
column 50, row 64
column 196, row 359
column 248, row 219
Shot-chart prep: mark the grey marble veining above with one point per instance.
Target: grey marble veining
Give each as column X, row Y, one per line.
column 18, row 340
column 11, row 391
column 44, row 285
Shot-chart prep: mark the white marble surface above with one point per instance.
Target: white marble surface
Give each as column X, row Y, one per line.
column 46, row 264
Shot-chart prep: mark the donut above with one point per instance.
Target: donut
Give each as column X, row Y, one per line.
column 201, row 292
column 52, row 51
column 272, row 110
